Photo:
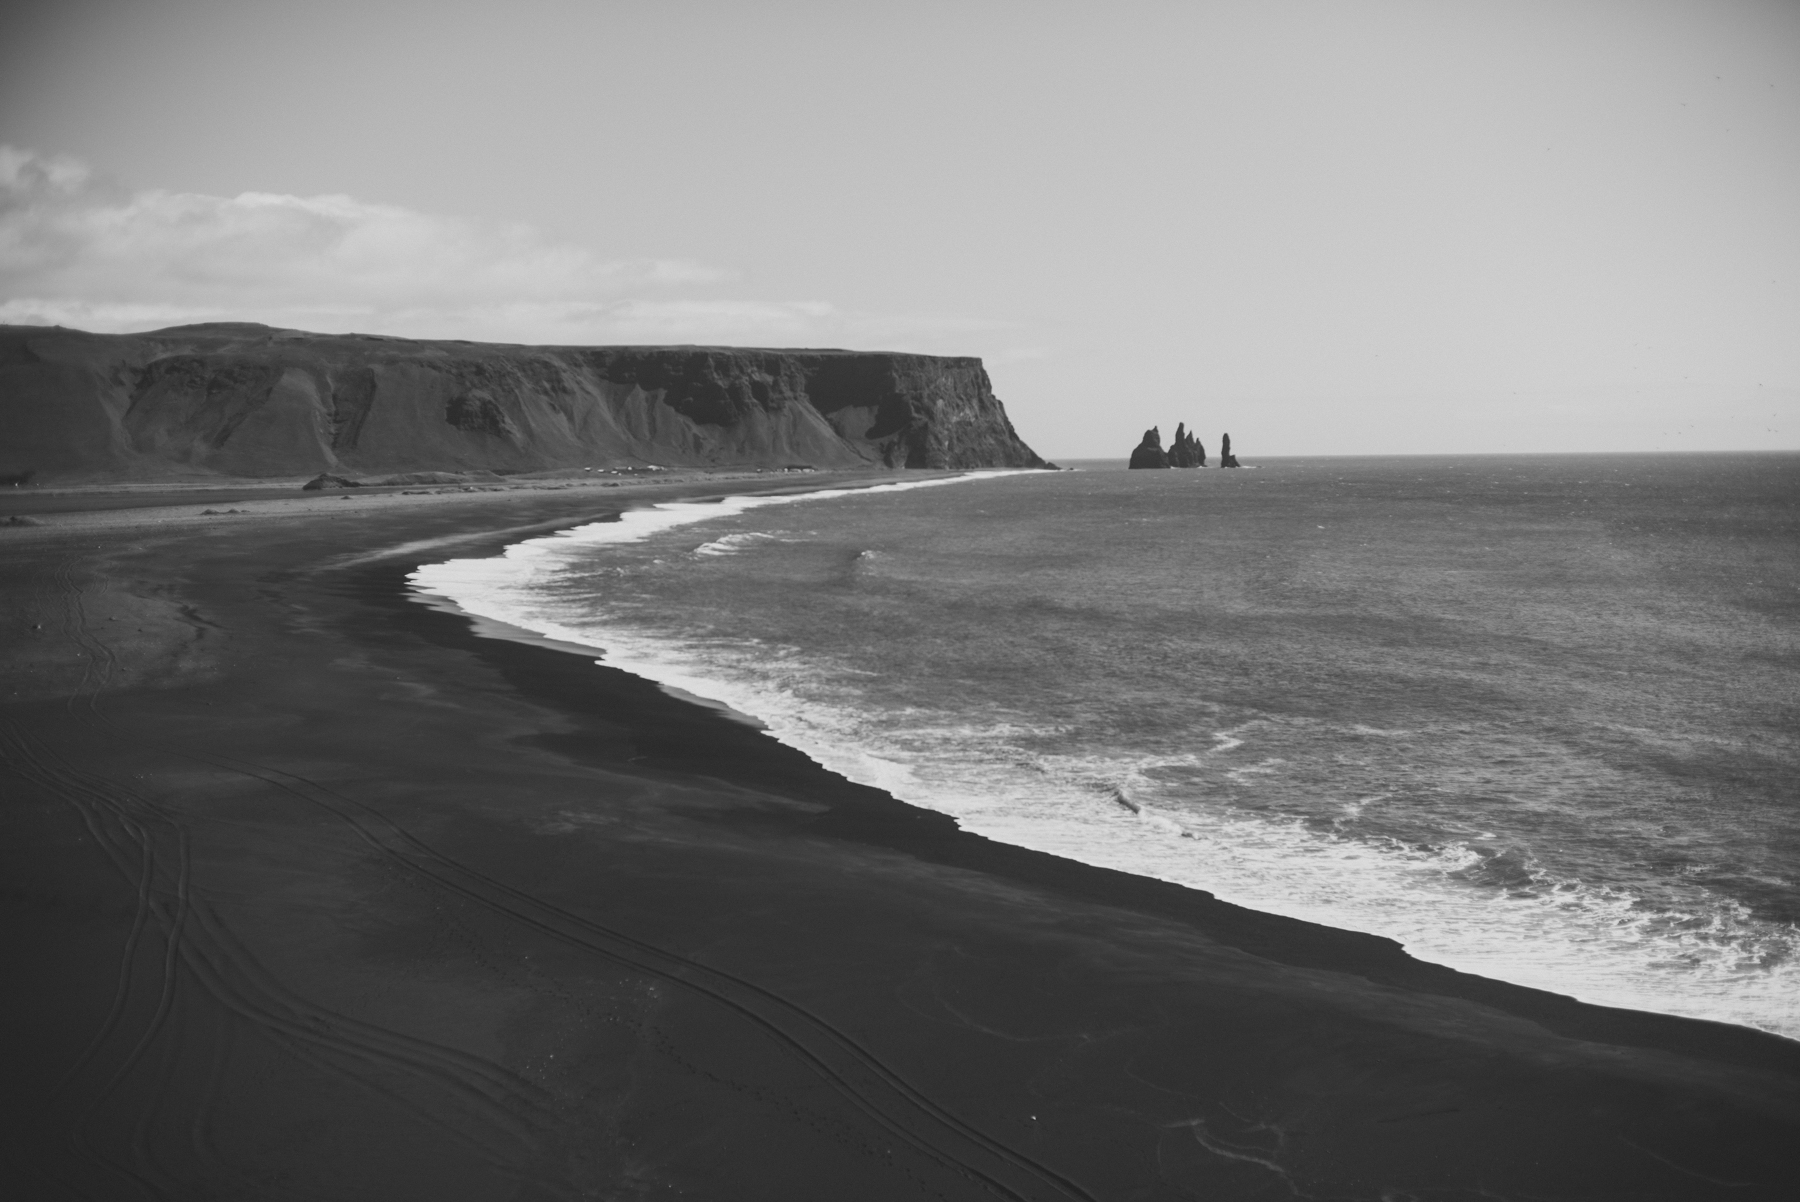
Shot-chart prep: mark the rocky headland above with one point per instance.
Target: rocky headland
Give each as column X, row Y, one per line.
column 244, row 400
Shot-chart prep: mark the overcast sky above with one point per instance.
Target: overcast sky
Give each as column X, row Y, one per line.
column 1335, row 227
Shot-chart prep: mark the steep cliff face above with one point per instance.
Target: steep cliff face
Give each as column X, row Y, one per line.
column 247, row 400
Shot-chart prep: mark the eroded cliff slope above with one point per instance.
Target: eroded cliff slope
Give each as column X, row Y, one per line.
column 248, row 400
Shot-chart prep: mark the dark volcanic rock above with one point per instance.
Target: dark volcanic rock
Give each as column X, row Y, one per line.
column 325, row 480
column 1149, row 453
column 1186, row 450
column 247, row 400
column 1226, row 458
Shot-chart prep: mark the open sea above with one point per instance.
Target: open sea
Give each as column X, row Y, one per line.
column 1534, row 717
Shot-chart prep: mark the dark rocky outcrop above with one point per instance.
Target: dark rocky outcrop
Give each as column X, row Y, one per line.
column 324, row 480
column 1185, row 450
column 233, row 399
column 1149, row 453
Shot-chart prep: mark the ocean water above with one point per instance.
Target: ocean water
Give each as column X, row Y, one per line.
column 1536, row 718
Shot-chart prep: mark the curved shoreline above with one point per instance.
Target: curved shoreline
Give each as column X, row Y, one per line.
column 1286, row 940
column 421, row 865
column 462, row 583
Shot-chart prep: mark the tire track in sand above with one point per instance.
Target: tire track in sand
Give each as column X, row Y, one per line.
column 148, row 846
column 875, row 1089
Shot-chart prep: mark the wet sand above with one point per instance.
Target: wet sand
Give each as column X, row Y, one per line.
column 311, row 892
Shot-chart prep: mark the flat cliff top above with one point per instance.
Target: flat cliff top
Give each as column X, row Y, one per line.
column 245, row 335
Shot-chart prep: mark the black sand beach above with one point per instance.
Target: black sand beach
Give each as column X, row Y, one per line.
column 312, row 892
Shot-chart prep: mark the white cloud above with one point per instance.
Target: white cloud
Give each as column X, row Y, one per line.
column 78, row 250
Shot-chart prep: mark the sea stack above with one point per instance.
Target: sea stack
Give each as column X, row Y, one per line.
column 1226, row 458
column 1186, row 450
column 1149, row 453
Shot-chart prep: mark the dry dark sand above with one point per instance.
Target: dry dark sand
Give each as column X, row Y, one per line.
column 312, row 893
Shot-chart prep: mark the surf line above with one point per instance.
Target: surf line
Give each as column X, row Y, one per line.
column 464, row 586
column 638, row 524
column 491, row 588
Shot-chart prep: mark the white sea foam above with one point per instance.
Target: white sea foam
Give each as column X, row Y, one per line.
column 731, row 544
column 486, row 581
column 1594, row 942
column 1600, row 944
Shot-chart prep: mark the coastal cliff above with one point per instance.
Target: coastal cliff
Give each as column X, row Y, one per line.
column 251, row 401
